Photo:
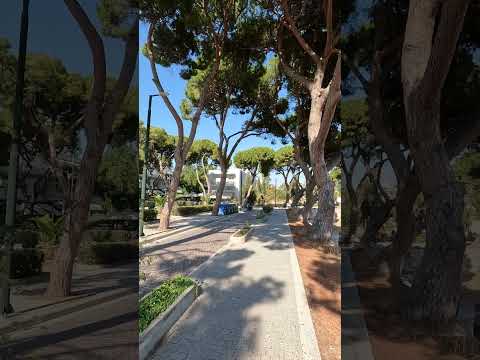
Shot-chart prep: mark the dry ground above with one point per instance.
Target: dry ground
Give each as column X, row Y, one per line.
column 321, row 277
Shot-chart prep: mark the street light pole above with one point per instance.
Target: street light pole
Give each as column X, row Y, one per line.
column 6, row 306
column 145, row 162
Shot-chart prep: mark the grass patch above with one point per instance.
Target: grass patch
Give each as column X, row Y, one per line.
column 161, row 298
column 245, row 229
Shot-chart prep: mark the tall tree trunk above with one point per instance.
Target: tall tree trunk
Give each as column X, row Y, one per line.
column 322, row 110
column 207, row 180
column 437, row 284
column 249, row 192
column 287, row 192
column 425, row 66
column 76, row 217
column 309, row 201
column 100, row 113
column 322, row 229
column 405, row 235
column 220, row 188
column 171, row 195
column 204, row 192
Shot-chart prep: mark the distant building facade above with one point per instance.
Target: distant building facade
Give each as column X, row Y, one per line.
column 233, row 187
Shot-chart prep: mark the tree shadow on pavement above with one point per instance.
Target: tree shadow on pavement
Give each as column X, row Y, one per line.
column 224, row 323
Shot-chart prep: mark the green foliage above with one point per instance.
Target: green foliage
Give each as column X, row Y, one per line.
column 192, row 210
column 26, row 263
column 161, row 298
column 160, row 201
column 50, row 229
column 284, row 160
column 116, row 16
column 108, row 252
column 261, row 158
column 202, row 150
column 150, row 215
column 467, row 170
column 161, row 149
column 188, row 181
column 102, row 236
column 118, row 176
column 267, row 209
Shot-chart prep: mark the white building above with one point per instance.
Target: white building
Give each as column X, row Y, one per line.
column 233, row 187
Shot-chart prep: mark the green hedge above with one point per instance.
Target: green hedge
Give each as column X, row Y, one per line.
column 150, row 215
column 161, row 298
column 108, row 252
column 192, row 210
column 267, row 209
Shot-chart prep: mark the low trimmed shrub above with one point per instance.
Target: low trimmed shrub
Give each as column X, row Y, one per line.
column 108, row 252
column 114, row 224
column 161, row 298
column 28, row 261
column 267, row 209
column 192, row 210
column 150, row 215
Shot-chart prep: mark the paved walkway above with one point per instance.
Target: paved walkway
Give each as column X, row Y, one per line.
column 177, row 222
column 253, row 305
column 182, row 252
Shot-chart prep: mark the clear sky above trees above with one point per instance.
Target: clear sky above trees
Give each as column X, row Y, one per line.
column 175, row 86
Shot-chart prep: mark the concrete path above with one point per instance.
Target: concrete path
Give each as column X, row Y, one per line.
column 177, row 222
column 181, row 253
column 253, row 306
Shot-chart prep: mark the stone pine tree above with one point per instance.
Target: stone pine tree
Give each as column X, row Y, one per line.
column 432, row 31
column 257, row 160
column 243, row 87
column 323, row 86
column 202, row 156
column 100, row 112
column 193, row 35
column 285, row 165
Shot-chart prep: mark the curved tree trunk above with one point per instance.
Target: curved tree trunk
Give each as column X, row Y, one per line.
column 76, row 217
column 430, row 43
column 309, row 202
column 287, row 192
column 322, row 229
column 220, row 189
column 171, row 195
column 204, row 192
column 405, row 236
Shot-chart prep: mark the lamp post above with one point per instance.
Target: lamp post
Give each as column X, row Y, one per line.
column 6, row 306
column 145, row 162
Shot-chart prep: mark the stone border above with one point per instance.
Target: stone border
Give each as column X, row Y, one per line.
column 308, row 337
column 239, row 239
column 158, row 328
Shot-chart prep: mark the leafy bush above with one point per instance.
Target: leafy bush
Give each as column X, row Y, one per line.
column 160, row 201
column 150, row 203
column 101, row 236
column 49, row 228
column 114, row 224
column 267, row 209
column 150, row 215
column 108, row 252
column 192, row 210
column 161, row 298
column 26, row 263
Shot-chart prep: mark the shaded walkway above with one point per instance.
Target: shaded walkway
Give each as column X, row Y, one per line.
column 253, row 306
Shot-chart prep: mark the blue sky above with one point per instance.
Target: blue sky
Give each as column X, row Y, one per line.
column 53, row 31
column 175, row 86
